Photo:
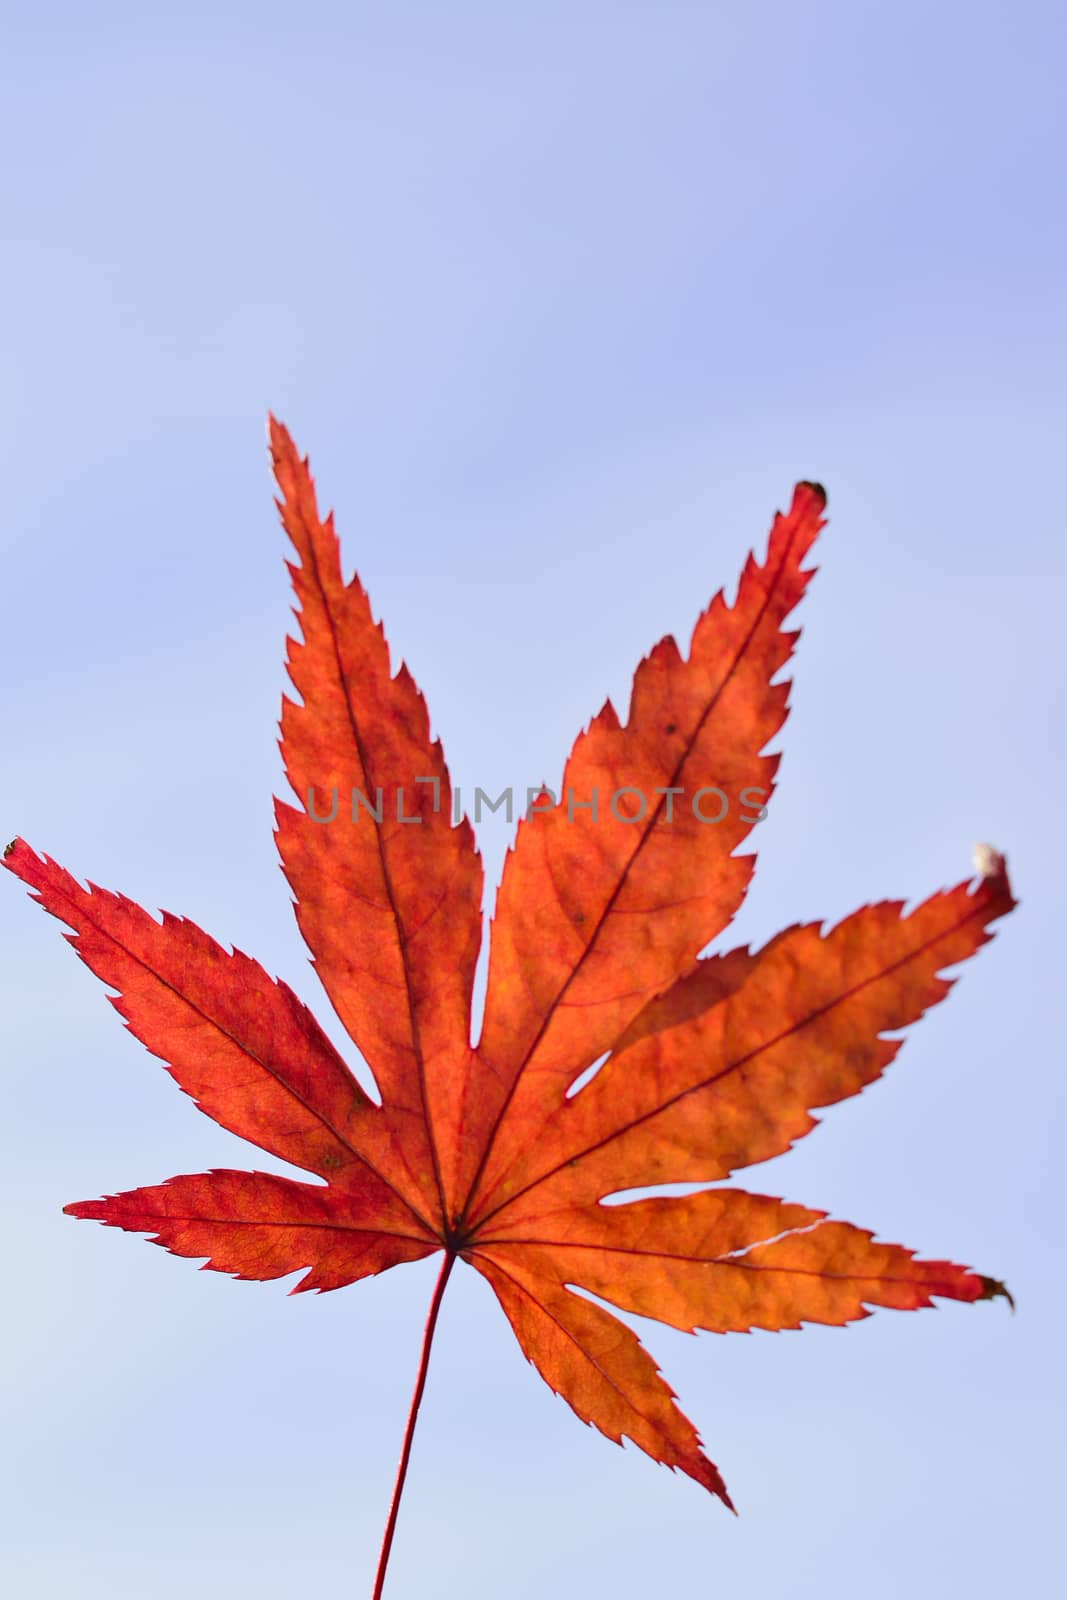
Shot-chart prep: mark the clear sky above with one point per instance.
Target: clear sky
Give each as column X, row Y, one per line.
column 561, row 299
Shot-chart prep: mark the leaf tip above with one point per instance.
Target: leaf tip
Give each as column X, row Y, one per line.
column 993, row 1289
column 988, row 861
column 991, row 865
column 721, row 1493
column 816, row 489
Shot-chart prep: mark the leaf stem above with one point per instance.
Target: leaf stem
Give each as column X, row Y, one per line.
column 416, row 1401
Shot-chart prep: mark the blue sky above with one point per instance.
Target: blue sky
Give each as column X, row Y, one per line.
column 561, row 300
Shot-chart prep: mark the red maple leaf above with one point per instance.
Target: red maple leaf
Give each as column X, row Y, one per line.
column 608, row 897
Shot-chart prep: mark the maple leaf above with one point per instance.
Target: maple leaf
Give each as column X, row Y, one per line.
column 486, row 1153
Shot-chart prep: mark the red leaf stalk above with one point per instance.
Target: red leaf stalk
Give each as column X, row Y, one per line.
column 409, row 1434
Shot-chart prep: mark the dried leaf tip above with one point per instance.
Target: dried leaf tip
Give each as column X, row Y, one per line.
column 988, row 861
column 816, row 488
column 8, row 848
column 993, row 1289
